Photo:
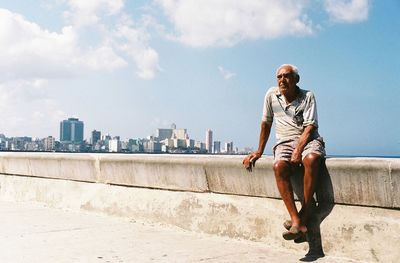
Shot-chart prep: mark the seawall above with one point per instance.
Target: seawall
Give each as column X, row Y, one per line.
column 357, row 214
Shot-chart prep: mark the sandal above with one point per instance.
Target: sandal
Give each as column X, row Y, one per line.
column 301, row 239
column 292, row 233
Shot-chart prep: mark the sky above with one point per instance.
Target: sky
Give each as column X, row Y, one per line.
column 127, row 68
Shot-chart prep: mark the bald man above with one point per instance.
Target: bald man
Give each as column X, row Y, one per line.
column 298, row 144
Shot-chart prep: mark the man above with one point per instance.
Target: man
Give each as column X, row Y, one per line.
column 298, row 144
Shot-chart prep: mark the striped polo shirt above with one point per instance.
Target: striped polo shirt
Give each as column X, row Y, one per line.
column 291, row 118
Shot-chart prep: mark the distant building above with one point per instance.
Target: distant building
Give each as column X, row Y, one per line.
column 96, row 136
column 168, row 143
column 190, row 143
column 179, row 143
column 135, row 145
column 247, row 150
column 172, row 133
column 200, row 145
column 3, row 142
column 49, row 143
column 217, row 147
column 71, row 131
column 180, row 134
column 21, row 144
column 209, row 140
column 152, row 146
column 163, row 134
column 229, row 147
column 114, row 145
column 31, row 146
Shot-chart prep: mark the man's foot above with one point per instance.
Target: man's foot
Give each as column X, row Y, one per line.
column 287, row 224
column 294, row 233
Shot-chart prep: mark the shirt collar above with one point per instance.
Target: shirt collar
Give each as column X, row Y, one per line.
column 277, row 92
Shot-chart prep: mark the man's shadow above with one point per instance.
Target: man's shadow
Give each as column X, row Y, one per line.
column 323, row 203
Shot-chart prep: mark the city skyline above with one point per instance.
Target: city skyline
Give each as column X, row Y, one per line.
column 129, row 67
column 72, row 139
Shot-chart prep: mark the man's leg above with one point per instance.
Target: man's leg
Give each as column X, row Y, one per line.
column 311, row 163
column 282, row 171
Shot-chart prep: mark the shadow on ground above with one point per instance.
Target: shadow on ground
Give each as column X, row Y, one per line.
column 323, row 204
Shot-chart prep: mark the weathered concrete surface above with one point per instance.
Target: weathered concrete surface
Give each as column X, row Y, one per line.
column 153, row 171
column 365, row 181
column 228, row 176
column 32, row 233
column 361, row 233
column 355, row 181
column 79, row 167
column 394, row 169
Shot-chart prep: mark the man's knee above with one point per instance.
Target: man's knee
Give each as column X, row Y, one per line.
column 312, row 160
column 281, row 168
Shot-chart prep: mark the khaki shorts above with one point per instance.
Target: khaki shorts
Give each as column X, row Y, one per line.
column 283, row 150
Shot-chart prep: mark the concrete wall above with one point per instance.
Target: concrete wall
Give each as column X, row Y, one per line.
column 356, row 181
column 214, row 194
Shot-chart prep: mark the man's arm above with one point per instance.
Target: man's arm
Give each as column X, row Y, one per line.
column 250, row 160
column 304, row 139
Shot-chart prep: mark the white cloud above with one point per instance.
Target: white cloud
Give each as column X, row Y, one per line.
column 26, row 107
column 226, row 22
column 125, row 35
column 347, row 11
column 225, row 73
column 133, row 41
column 28, row 51
column 90, row 12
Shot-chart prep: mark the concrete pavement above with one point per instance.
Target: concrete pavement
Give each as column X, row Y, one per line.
column 34, row 233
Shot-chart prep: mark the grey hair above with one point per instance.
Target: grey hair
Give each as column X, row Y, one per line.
column 293, row 67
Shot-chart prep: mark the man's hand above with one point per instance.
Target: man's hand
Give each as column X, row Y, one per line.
column 295, row 160
column 250, row 161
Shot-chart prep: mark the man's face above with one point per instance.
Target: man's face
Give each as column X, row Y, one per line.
column 287, row 79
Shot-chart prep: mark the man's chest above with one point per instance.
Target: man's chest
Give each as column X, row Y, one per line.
column 281, row 107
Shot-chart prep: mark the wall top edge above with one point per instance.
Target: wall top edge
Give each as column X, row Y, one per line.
column 177, row 157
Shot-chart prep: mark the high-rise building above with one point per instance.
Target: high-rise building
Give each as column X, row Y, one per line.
column 49, row 143
column 179, row 143
column 229, row 147
column 71, row 131
column 180, row 134
column 200, row 145
column 114, row 145
column 163, row 134
column 190, row 143
column 172, row 133
column 96, row 136
column 217, row 147
column 152, row 146
column 209, row 140
column 106, row 137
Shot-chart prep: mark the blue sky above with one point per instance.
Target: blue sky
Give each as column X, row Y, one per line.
column 129, row 67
